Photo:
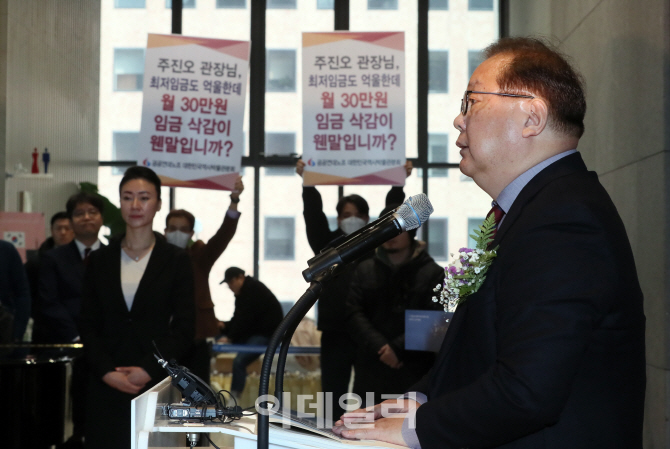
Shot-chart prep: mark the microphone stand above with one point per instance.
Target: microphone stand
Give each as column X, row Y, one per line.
column 283, row 334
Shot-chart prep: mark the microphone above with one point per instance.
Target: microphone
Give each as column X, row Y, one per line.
column 409, row 215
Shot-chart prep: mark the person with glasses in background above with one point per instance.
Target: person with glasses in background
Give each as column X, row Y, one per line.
column 549, row 352
column 56, row 315
column 62, row 273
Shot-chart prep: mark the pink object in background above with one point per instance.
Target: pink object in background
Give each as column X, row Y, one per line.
column 25, row 230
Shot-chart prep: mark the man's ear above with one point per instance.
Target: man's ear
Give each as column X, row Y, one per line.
column 537, row 115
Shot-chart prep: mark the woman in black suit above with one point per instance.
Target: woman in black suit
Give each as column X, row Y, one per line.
column 138, row 290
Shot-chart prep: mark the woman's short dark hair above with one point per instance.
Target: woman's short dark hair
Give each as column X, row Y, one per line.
column 83, row 198
column 181, row 213
column 538, row 68
column 357, row 201
column 139, row 172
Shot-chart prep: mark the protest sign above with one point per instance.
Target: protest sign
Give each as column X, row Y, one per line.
column 193, row 109
column 353, row 108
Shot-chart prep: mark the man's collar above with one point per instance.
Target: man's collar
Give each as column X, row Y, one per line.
column 81, row 247
column 512, row 190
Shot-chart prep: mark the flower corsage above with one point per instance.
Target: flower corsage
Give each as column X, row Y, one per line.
column 466, row 274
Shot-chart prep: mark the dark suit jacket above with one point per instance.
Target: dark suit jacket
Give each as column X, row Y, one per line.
column 60, row 284
column 163, row 311
column 257, row 312
column 549, row 353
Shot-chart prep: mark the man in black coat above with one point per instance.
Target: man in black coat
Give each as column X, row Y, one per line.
column 257, row 315
column 549, row 352
column 400, row 276
column 338, row 349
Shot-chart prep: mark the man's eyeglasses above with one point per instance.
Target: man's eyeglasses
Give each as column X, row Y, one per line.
column 466, row 98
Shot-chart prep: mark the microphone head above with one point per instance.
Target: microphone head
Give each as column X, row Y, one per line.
column 415, row 211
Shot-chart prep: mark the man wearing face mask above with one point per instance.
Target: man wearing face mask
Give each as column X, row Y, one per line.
column 338, row 350
column 178, row 231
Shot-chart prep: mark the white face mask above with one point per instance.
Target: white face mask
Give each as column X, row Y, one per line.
column 351, row 224
column 178, row 238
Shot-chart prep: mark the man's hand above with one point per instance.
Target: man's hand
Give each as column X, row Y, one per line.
column 136, row 375
column 299, row 167
column 239, row 188
column 119, row 381
column 408, row 168
column 383, row 422
column 387, row 356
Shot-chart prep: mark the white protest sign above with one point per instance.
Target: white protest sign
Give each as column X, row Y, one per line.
column 354, row 108
column 193, row 109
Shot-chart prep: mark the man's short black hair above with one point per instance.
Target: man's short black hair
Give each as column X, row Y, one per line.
column 84, row 198
column 357, row 201
column 59, row 216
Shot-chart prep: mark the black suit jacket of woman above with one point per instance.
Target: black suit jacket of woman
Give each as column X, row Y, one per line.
column 163, row 311
column 549, row 353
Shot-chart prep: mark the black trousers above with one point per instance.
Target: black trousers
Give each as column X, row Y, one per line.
column 338, row 352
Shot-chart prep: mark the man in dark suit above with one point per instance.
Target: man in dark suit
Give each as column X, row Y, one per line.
column 549, row 352
column 62, row 273
column 60, row 293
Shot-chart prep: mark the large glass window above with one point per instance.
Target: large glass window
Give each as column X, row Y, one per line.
column 129, row 3
column 279, row 144
column 124, row 148
column 280, row 69
column 279, row 238
column 473, row 224
column 184, row 4
column 438, row 71
column 231, row 4
column 128, row 69
column 474, row 59
column 279, row 188
column 382, row 4
column 281, row 4
column 480, row 5
column 325, row 4
column 437, row 152
column 439, row 246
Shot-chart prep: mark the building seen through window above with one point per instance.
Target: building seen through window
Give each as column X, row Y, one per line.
column 474, row 59
column 129, row 3
column 124, row 148
column 480, row 5
column 438, row 71
column 279, row 238
column 271, row 240
column 382, row 4
column 281, row 66
column 185, row 4
column 439, row 243
column 281, row 4
column 231, row 4
column 128, row 68
column 438, row 4
column 438, row 152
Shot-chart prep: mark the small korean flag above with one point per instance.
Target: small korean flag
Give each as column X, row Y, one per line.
column 17, row 238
